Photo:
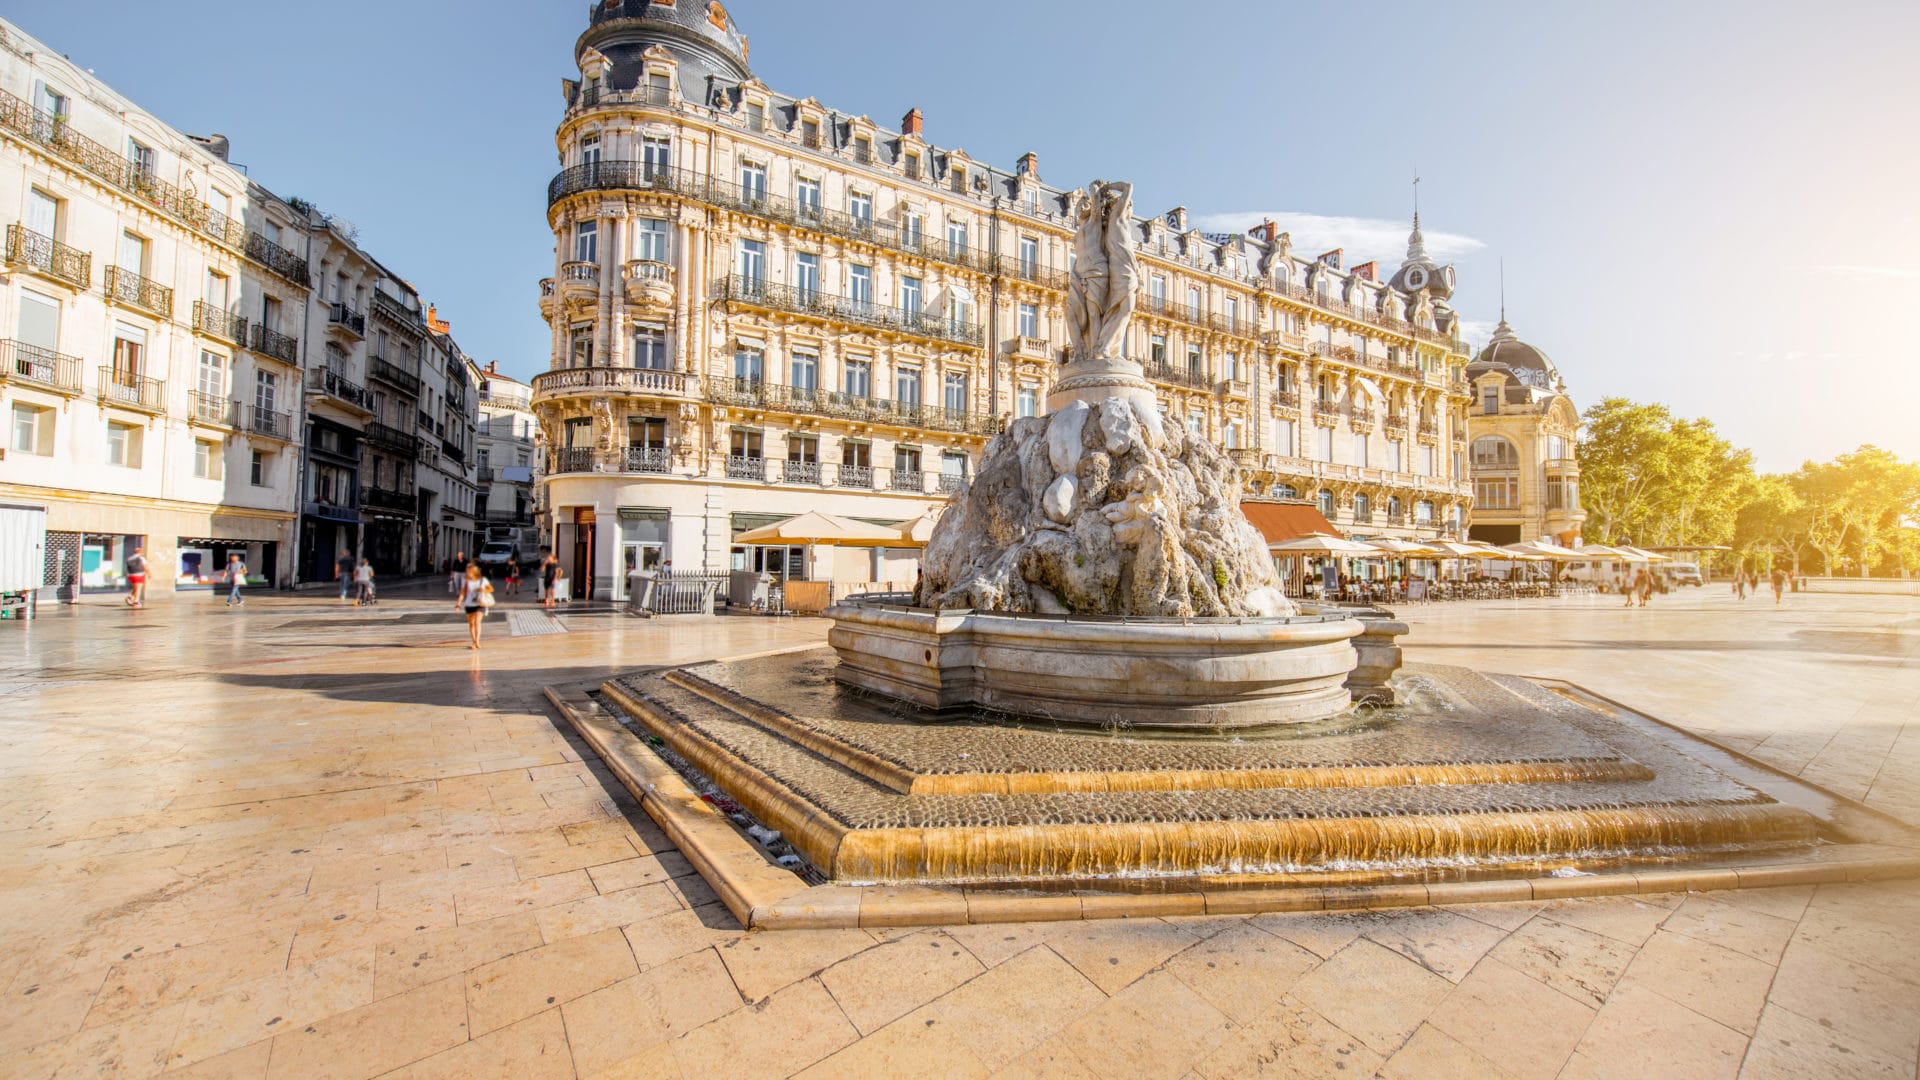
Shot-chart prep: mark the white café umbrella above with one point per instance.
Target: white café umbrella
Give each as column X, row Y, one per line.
column 1322, row 544
column 814, row 527
column 1545, row 550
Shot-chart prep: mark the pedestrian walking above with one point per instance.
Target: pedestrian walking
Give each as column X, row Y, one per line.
column 549, row 573
column 1779, row 585
column 236, row 577
column 343, row 572
column 1642, row 588
column 476, row 596
column 1740, row 583
column 456, row 572
column 137, row 578
column 513, row 577
column 363, row 583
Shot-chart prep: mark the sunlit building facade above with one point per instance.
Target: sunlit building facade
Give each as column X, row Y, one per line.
column 1522, row 427
column 762, row 306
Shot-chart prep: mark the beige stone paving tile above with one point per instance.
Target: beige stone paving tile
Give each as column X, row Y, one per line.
column 1321, row 933
column 493, row 901
column 1865, row 1006
column 355, row 930
column 1718, row 983
column 1442, row 942
column 1288, row 1040
column 247, row 1063
column 1016, row 1005
column 762, row 963
column 1507, row 916
column 1638, row 1034
column 1432, row 1054
column 586, row 832
column 1579, row 963
column 879, row 985
column 375, row 1038
column 673, row 935
column 575, row 857
column 134, row 1046
column 1743, row 930
column 611, row 1025
column 1114, row 952
column 533, row 1049
column 1788, row 1046
column 1782, row 901
column 645, row 870
column 1051, row 1060
column 1631, row 919
column 218, row 1023
column 914, row 1047
column 442, row 887
column 153, row 979
column 1500, row 1013
column 1373, row 993
column 335, row 874
column 586, row 801
column 1242, row 970
column 509, row 990
column 691, row 890
column 656, row 1062
column 791, row 1030
column 438, row 954
column 1156, row 1026
column 605, row 911
column 1885, row 939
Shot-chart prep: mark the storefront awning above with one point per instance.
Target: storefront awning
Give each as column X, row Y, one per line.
column 1284, row 521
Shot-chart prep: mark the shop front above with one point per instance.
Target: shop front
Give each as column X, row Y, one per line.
column 201, row 562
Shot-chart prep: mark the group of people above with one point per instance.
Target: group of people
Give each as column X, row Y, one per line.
column 358, row 576
column 235, row 576
column 1746, row 582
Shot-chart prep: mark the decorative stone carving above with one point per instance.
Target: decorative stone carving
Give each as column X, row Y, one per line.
column 1100, row 291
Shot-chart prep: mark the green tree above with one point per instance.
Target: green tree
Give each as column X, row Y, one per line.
column 1773, row 522
column 1648, row 477
column 1857, row 509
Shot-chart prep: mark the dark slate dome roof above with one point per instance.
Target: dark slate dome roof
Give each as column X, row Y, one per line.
column 1526, row 363
column 700, row 31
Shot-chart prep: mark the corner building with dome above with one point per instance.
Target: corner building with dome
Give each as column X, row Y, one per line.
column 1522, row 428
column 762, row 306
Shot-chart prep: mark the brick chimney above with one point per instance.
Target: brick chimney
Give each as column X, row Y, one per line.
column 1177, row 218
column 493, row 367
column 1367, row 270
column 1267, row 230
column 910, row 124
column 1029, row 164
column 1333, row 258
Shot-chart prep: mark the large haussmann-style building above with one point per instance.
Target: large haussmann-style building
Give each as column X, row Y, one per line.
column 1523, row 426
column 762, row 306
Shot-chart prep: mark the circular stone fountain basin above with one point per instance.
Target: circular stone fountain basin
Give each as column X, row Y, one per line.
column 1169, row 674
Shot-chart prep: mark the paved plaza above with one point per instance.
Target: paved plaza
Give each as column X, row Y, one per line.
column 302, row 839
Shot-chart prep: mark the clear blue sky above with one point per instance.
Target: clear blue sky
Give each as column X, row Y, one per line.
column 1714, row 205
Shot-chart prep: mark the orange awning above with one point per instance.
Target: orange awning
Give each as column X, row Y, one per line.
column 1284, row 521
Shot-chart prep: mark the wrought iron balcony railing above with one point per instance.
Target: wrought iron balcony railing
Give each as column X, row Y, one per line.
column 745, row 467
column 392, row 438
column 276, row 425
column 49, row 256
column 42, row 367
column 211, row 408
column 127, row 287
column 405, row 502
column 394, row 374
column 951, row 482
column 279, row 260
column 281, row 347
column 336, row 385
column 773, row 297
column 215, row 321
column 855, row 476
column 347, row 318
column 1008, row 266
column 570, row 460
column 1239, row 326
column 647, row 459
column 1287, row 399
column 909, row 480
column 616, row 379
column 1175, row 375
column 843, row 406
column 132, row 391
column 800, row 472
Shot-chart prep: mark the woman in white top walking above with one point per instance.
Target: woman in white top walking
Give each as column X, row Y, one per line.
column 476, row 596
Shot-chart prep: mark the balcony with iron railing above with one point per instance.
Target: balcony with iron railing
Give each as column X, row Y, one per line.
column 337, row 386
column 1396, row 424
column 346, row 318
column 854, row 476
column 1363, row 516
column 1362, row 416
column 49, row 257
column 1429, row 427
column 746, row 467
column 215, row 321
column 378, row 367
column 126, row 287
column 1017, row 269
column 452, row 449
column 56, row 135
column 1194, row 315
column 275, row 345
column 646, row 459
column 285, row 263
column 571, row 459
column 800, row 472
column 754, row 292
column 1177, row 375
column 404, row 501
column 21, row 362
column 132, row 391
column 952, row 482
column 1287, row 399
column 268, row 422
column 392, row 438
column 210, row 409
column 908, row 480
column 843, row 406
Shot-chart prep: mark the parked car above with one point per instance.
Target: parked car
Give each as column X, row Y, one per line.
column 1683, row 573
column 494, row 557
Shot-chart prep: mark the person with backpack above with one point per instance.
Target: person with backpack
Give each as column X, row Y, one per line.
column 236, row 577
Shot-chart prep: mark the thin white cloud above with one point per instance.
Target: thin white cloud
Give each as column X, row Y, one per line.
column 1855, row 272
column 1476, row 331
column 1363, row 238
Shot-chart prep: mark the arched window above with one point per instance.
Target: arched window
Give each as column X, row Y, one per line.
column 1393, row 506
column 1325, row 499
column 1494, row 452
column 1362, row 508
column 1284, row 491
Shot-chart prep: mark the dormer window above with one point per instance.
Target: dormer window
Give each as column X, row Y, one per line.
column 1490, row 400
column 756, row 116
column 958, row 174
column 913, row 165
column 810, row 134
column 659, row 88
column 863, row 149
